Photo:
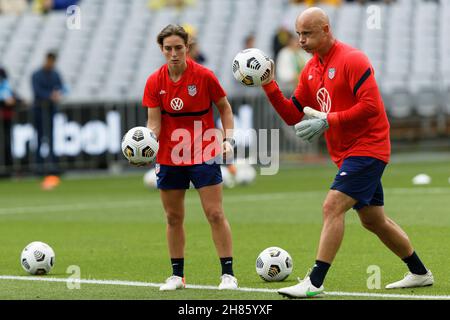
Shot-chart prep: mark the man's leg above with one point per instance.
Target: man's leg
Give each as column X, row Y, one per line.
column 38, row 126
column 374, row 219
column 335, row 206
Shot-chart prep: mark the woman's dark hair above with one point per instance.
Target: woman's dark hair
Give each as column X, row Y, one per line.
column 173, row 30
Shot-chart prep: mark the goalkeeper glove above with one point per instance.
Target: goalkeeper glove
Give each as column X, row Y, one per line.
column 313, row 127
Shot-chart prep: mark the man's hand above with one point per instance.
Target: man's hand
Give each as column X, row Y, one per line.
column 56, row 96
column 313, row 127
column 271, row 75
column 312, row 113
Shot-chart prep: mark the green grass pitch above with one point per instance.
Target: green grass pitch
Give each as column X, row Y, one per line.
column 114, row 229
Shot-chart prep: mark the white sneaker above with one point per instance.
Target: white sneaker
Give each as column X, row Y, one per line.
column 173, row 283
column 305, row 289
column 228, row 282
column 412, row 280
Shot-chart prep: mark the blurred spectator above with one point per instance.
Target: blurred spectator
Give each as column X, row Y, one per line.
column 13, row 6
column 45, row 6
column 7, row 105
column 48, row 89
column 178, row 4
column 290, row 62
column 194, row 51
column 368, row 1
column 42, row 6
column 249, row 41
column 280, row 39
column 63, row 4
column 311, row 3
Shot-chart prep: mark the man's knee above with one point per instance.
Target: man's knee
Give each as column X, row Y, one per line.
column 373, row 226
column 332, row 210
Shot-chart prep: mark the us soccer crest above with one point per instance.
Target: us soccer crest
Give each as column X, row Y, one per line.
column 331, row 73
column 192, row 90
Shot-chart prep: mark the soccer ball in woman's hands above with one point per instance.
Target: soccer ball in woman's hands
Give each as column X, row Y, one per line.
column 251, row 67
column 140, row 146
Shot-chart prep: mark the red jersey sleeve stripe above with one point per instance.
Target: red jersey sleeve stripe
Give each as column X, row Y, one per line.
column 364, row 77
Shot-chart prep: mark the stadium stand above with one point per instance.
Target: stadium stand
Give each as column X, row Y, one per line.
column 112, row 54
column 105, row 64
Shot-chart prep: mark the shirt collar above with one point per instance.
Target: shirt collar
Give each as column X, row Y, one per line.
column 328, row 56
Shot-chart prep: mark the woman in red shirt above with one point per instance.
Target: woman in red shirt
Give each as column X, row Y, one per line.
column 179, row 98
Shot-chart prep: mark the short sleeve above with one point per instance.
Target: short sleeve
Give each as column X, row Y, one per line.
column 151, row 96
column 216, row 92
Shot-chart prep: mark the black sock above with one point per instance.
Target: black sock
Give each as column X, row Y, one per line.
column 318, row 273
column 227, row 265
column 178, row 267
column 414, row 264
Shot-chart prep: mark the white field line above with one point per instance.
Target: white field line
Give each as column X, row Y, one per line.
column 202, row 287
column 108, row 204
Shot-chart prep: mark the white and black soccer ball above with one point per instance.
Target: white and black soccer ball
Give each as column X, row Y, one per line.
column 140, row 145
column 37, row 258
column 274, row 264
column 251, row 67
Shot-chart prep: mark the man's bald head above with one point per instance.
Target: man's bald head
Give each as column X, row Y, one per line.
column 314, row 31
column 314, row 16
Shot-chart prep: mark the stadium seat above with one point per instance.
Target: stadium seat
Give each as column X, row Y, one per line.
column 399, row 104
column 115, row 50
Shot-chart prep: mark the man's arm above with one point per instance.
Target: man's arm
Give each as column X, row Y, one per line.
column 291, row 111
column 361, row 79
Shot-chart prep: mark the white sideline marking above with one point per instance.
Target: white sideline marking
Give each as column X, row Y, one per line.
column 108, row 204
column 201, row 287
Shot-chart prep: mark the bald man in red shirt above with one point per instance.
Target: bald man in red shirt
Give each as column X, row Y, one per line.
column 338, row 94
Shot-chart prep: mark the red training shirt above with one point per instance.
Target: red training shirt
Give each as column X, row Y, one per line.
column 185, row 104
column 344, row 87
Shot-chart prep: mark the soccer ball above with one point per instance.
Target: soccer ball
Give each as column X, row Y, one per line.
column 227, row 177
column 245, row 173
column 251, row 67
column 274, row 264
column 140, row 146
column 150, row 179
column 37, row 258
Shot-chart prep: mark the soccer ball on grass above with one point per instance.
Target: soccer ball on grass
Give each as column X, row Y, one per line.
column 37, row 258
column 274, row 264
